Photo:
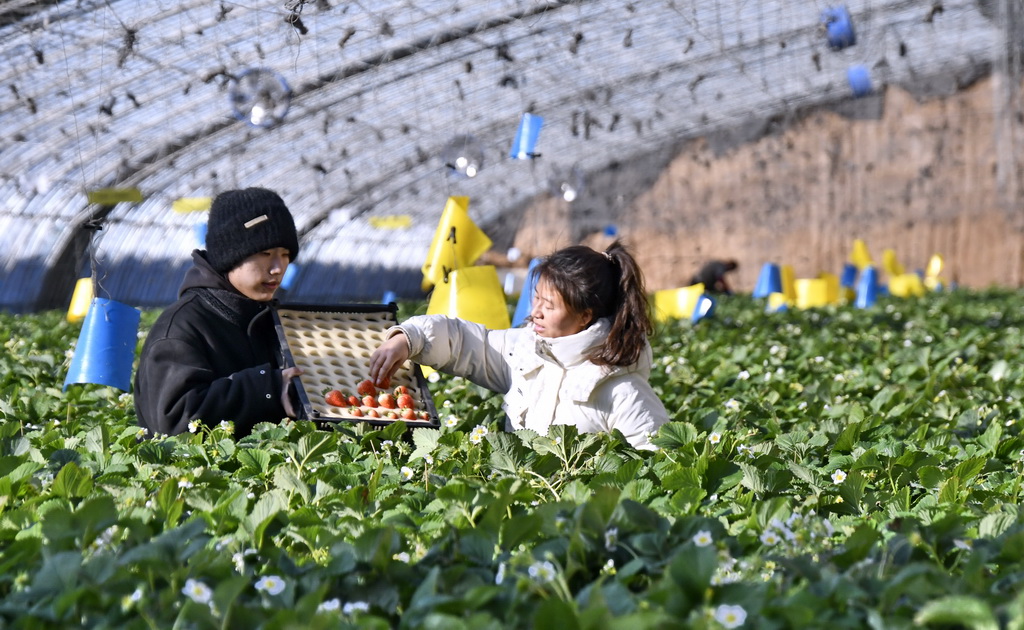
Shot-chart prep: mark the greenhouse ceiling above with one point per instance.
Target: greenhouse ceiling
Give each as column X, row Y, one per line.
column 365, row 103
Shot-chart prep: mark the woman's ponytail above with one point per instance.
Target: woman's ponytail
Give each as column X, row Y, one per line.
column 610, row 285
column 631, row 320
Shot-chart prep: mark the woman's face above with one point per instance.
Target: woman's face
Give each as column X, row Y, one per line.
column 551, row 317
column 259, row 276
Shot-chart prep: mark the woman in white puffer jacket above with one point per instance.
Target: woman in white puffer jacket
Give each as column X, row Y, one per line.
column 583, row 358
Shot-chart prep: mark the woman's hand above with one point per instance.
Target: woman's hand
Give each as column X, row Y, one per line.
column 287, row 375
column 386, row 359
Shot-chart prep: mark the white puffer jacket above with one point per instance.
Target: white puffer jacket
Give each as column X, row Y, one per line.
column 545, row 381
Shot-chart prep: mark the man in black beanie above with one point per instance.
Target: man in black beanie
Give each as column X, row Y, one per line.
column 214, row 354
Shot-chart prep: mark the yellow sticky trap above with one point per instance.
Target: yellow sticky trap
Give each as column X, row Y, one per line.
column 192, row 204
column 458, row 242
column 110, row 196
column 935, row 264
column 860, row 256
column 787, row 276
column 831, row 286
column 811, row 292
column 81, row 299
column 677, row 303
column 474, row 294
column 906, row 285
column 892, row 266
column 393, row 222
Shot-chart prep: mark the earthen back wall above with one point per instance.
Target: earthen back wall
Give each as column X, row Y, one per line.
column 921, row 179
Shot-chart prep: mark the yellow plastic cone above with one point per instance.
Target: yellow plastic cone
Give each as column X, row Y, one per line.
column 81, row 299
column 677, row 303
column 860, row 256
column 890, row 264
column 788, row 282
column 474, row 294
column 458, row 243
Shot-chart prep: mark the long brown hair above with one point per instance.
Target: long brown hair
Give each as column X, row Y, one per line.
column 608, row 284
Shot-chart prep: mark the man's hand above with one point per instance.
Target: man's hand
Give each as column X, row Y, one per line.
column 287, row 375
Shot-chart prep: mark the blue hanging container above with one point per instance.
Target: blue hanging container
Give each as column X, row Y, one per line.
column 838, row 27
column 860, row 80
column 389, row 297
column 523, row 148
column 200, row 233
column 106, row 346
column 525, row 304
column 290, row 274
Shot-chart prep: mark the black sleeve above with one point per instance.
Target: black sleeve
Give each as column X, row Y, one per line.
column 175, row 384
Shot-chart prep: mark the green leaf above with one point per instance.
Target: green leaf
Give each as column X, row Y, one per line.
column 990, row 438
column 931, row 476
column 857, row 546
column 673, row 435
column 995, row 524
column 555, row 613
column 692, row 569
column 520, row 529
column 753, row 479
column 962, row 610
column 313, row 446
column 852, row 489
column 254, row 459
column 72, row 481
column 848, row 438
column 59, row 573
column 687, row 500
column 286, row 480
column 266, row 509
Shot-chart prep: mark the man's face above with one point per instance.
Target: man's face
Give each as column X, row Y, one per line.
column 259, row 276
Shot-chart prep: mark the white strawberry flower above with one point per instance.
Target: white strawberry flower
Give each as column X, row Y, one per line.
column 703, row 538
column 730, row 616
column 197, row 591
column 270, row 584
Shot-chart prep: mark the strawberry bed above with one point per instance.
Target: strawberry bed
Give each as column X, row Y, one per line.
column 831, row 467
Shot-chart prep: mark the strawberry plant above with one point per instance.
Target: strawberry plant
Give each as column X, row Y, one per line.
column 829, row 467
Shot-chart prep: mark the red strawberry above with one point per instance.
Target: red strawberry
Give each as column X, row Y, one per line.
column 405, row 401
column 353, row 400
column 335, row 398
column 372, row 413
column 393, row 415
column 369, row 401
column 366, row 388
column 424, row 415
column 355, row 411
column 386, row 400
column 401, row 389
column 408, row 414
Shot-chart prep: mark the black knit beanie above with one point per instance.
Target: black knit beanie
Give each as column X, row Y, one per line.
column 246, row 222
